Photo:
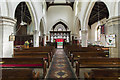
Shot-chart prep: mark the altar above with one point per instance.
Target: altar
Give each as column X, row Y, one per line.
column 60, row 38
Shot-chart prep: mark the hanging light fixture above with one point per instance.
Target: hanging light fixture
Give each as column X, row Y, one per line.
column 98, row 16
column 98, row 23
column 22, row 22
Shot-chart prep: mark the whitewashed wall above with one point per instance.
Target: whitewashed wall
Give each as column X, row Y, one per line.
column 55, row 13
column 82, row 10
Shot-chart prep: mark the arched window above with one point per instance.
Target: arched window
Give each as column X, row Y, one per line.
column 97, row 33
column 80, row 34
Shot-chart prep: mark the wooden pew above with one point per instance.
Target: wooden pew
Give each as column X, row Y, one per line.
column 44, row 55
column 76, row 55
column 97, row 63
column 24, row 63
column 44, row 48
column 50, row 50
column 18, row 74
column 86, row 50
column 69, row 48
column 75, row 48
column 83, row 49
column 103, row 74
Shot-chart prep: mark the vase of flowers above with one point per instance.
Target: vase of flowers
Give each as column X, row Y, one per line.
column 26, row 44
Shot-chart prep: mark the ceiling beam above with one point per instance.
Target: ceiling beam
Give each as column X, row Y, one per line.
column 97, row 13
column 51, row 3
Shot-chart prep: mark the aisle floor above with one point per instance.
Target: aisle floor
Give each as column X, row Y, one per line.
column 60, row 67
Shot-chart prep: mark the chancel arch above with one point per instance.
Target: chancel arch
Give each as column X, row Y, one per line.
column 61, row 25
column 60, row 34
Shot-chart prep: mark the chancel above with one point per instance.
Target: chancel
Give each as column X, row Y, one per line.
column 59, row 39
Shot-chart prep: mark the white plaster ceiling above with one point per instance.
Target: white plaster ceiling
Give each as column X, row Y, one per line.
column 60, row 1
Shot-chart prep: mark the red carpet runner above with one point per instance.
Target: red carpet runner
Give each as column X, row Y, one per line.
column 60, row 67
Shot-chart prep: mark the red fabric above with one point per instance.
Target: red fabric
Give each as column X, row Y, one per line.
column 102, row 29
column 46, row 58
column 59, row 40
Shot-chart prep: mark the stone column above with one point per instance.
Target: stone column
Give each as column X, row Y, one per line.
column 36, row 38
column 6, row 29
column 84, row 38
column 113, row 27
column 48, row 36
column 44, row 37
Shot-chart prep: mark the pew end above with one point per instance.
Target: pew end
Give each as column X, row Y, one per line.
column 77, row 68
column 19, row 74
column 86, row 75
column 36, row 75
column 44, row 68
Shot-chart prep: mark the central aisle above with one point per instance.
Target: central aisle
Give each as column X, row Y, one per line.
column 60, row 67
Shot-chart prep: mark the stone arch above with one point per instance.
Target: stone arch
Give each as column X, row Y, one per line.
column 77, row 26
column 65, row 26
column 60, row 21
column 88, row 12
column 31, row 10
column 78, row 23
column 42, row 27
column 4, row 11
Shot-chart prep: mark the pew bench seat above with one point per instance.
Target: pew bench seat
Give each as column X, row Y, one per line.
column 90, row 63
column 32, row 63
column 43, row 55
column 103, row 74
column 76, row 55
column 18, row 74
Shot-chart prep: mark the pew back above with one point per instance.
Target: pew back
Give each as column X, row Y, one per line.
column 103, row 74
column 99, row 60
column 44, row 55
column 97, row 63
column 76, row 55
column 24, row 63
column 18, row 74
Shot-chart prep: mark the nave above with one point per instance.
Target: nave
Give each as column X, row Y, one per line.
column 59, row 39
column 71, row 63
column 60, row 67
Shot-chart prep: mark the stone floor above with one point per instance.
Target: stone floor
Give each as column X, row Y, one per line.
column 60, row 67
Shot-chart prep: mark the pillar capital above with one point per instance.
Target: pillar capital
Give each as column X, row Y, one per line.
column 84, row 31
column 7, row 21
column 113, row 21
column 7, row 25
column 36, row 31
column 84, row 37
column 112, row 27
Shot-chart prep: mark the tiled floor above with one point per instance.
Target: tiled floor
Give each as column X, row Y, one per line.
column 60, row 67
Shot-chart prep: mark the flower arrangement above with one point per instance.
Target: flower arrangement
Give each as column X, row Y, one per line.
column 27, row 44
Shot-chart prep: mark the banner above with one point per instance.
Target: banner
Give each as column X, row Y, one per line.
column 110, row 40
column 102, row 29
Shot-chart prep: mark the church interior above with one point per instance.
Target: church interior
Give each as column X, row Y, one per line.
column 59, row 40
